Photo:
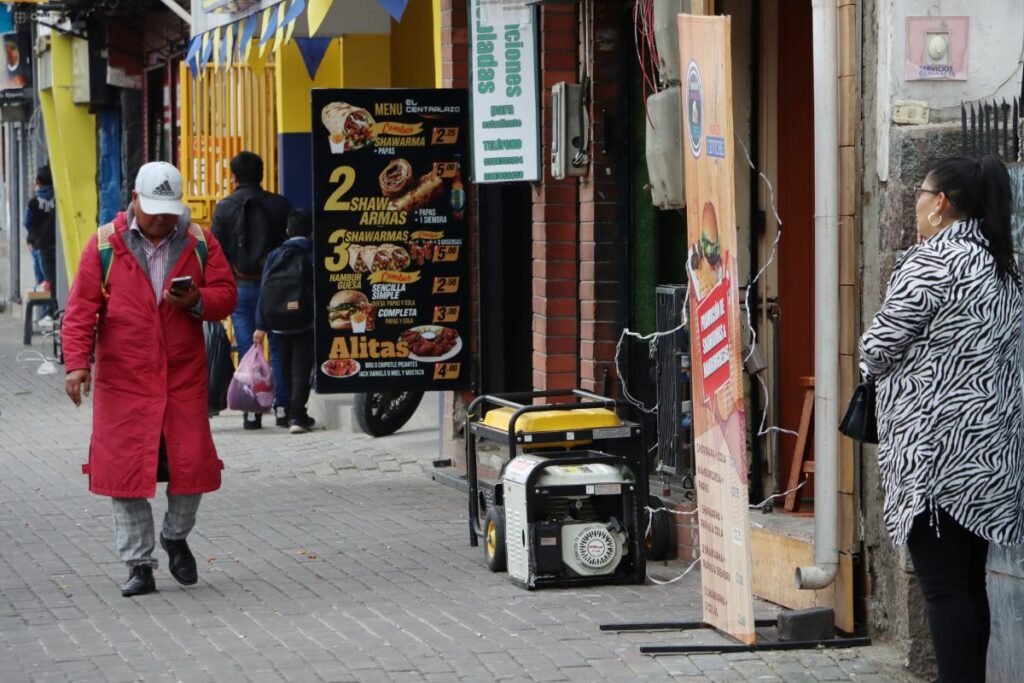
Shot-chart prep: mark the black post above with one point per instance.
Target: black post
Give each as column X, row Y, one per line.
column 963, row 129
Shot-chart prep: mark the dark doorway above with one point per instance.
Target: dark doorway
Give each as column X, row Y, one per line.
column 795, row 132
column 505, row 276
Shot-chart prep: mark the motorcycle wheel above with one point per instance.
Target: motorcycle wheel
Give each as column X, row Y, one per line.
column 383, row 413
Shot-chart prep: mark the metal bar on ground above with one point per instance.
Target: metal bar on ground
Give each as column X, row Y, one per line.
column 726, row 648
column 676, row 625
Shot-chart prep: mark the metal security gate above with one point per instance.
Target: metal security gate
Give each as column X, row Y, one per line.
column 223, row 112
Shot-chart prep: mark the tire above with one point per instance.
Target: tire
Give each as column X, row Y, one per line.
column 494, row 538
column 657, row 539
column 383, row 413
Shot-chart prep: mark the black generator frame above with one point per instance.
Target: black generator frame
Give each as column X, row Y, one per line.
column 633, row 457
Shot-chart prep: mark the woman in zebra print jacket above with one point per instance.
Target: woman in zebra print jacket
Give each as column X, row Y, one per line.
column 944, row 351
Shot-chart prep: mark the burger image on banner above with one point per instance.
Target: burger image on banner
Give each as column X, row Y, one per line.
column 349, row 309
column 705, row 262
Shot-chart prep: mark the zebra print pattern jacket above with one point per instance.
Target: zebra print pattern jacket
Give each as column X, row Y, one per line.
column 944, row 352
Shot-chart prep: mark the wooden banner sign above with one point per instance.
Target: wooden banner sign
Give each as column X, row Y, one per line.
column 715, row 332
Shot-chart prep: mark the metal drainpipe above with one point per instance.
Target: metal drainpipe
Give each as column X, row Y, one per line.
column 826, row 299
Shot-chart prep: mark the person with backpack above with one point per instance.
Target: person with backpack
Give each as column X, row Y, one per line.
column 133, row 332
column 250, row 223
column 41, row 230
column 285, row 308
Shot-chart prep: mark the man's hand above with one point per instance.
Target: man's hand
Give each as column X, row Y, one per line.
column 76, row 383
column 182, row 298
column 258, row 335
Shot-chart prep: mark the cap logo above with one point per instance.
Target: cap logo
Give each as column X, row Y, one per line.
column 164, row 190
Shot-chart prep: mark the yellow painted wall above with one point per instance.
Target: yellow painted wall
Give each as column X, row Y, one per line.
column 71, row 139
column 366, row 61
column 415, row 45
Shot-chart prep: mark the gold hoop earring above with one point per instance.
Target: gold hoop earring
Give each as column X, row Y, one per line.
column 932, row 223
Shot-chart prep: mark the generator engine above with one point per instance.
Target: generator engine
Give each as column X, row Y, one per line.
column 565, row 521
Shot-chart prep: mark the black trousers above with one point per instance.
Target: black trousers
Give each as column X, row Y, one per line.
column 296, row 352
column 951, row 570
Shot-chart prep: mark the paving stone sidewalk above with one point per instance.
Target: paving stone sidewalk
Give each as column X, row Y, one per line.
column 325, row 557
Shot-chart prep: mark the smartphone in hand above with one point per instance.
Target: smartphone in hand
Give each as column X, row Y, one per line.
column 181, row 285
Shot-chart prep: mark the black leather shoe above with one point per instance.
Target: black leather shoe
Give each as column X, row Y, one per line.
column 180, row 561
column 140, row 581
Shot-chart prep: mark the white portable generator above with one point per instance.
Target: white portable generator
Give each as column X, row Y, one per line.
column 564, row 521
column 566, row 505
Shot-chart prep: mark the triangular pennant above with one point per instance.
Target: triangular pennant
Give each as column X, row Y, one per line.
column 291, row 18
column 192, row 57
column 205, row 52
column 228, row 46
column 316, row 14
column 218, row 48
column 313, row 51
column 269, row 28
column 245, row 42
column 294, row 11
column 396, row 8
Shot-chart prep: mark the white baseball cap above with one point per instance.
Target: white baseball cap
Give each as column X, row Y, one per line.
column 159, row 186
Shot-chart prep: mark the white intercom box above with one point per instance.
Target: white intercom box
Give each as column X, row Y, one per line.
column 568, row 131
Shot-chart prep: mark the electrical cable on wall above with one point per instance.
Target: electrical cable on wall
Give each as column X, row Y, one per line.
column 652, row 338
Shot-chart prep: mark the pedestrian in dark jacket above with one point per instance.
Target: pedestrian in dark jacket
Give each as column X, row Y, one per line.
column 295, row 346
column 250, row 223
column 41, row 228
column 944, row 352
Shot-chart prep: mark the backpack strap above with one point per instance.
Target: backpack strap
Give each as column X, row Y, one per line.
column 202, row 250
column 106, row 250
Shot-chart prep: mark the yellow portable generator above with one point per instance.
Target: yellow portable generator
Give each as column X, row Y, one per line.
column 568, row 503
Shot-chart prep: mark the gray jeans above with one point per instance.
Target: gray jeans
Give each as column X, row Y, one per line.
column 133, row 524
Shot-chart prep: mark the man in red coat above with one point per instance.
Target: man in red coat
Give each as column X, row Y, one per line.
column 149, row 406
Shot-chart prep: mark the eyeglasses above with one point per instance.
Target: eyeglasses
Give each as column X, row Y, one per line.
column 918, row 190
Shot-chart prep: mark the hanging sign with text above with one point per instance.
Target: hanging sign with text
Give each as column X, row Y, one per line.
column 718, row 407
column 390, row 244
column 506, row 129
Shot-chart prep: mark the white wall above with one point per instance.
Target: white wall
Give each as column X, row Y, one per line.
column 994, row 51
column 995, row 39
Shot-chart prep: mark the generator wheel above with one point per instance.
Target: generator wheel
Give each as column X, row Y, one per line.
column 494, row 538
column 657, row 539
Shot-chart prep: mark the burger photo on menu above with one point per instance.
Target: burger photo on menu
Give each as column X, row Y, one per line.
column 349, row 309
column 431, row 343
column 705, row 261
column 348, row 127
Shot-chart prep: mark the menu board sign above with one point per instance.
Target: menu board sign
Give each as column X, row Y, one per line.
column 390, row 240
column 718, row 406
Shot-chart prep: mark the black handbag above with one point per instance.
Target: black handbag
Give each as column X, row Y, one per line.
column 860, row 423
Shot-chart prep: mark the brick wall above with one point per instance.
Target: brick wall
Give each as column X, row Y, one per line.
column 555, row 264
column 604, row 236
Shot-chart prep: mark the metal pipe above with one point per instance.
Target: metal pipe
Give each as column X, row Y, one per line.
column 179, row 10
column 826, row 299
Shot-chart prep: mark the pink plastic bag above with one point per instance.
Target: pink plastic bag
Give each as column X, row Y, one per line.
column 252, row 386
